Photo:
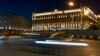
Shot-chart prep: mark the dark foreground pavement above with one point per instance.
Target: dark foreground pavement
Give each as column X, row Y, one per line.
column 28, row 48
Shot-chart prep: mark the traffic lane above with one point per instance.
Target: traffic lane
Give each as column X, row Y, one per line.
column 91, row 43
column 49, row 50
column 15, row 50
column 61, row 51
column 92, row 49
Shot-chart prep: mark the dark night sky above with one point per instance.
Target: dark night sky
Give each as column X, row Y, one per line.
column 26, row 7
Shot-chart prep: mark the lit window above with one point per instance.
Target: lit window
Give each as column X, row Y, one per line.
column 51, row 16
column 44, row 17
column 54, row 16
column 5, row 27
column 41, row 18
column 71, row 25
column 48, row 18
column 78, row 14
column 36, row 18
column 71, row 15
column 61, row 16
column 0, row 27
column 66, row 15
column 57, row 16
column 75, row 14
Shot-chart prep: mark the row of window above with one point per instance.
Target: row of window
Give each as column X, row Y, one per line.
column 61, row 25
column 59, row 28
column 11, row 28
column 55, row 16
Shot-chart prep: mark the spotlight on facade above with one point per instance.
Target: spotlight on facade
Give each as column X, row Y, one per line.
column 98, row 16
column 86, row 12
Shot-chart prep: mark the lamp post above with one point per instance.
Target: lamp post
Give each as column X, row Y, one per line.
column 82, row 13
column 71, row 4
column 81, row 18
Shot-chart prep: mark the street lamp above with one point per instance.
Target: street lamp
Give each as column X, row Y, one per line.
column 71, row 3
column 86, row 12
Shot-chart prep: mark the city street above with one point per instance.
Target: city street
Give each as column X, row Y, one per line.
column 50, row 28
column 30, row 48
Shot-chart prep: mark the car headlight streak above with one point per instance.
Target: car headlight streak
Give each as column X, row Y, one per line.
column 61, row 43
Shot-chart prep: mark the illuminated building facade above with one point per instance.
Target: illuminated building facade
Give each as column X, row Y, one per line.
column 80, row 18
column 13, row 22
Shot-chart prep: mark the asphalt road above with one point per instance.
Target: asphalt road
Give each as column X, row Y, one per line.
column 29, row 48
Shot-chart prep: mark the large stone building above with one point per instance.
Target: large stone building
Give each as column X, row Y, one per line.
column 11, row 24
column 81, row 18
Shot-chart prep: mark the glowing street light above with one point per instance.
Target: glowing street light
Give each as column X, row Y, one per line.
column 71, row 3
